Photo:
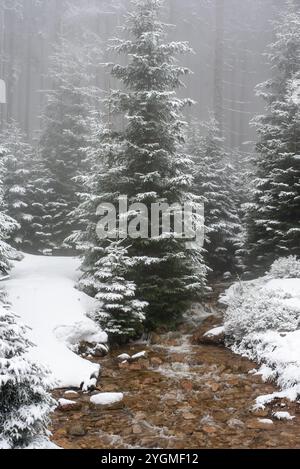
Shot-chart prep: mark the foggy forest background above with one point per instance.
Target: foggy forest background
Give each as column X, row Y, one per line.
column 229, row 39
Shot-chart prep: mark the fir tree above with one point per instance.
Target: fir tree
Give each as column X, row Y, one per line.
column 121, row 313
column 66, row 129
column 25, row 403
column 216, row 182
column 145, row 164
column 106, row 263
column 17, row 162
column 273, row 224
column 7, row 225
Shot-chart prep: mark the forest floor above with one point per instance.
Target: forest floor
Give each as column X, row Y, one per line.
column 179, row 396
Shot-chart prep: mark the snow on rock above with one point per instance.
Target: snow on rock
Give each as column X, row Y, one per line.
column 266, row 421
column 215, row 332
column 124, row 357
column 262, row 323
column 65, row 403
column 107, row 398
column 283, row 416
column 71, row 393
column 41, row 290
column 139, row 355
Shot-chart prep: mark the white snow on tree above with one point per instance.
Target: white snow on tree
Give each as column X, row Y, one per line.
column 25, row 403
column 7, row 225
column 18, row 168
column 66, row 123
column 215, row 179
column 145, row 162
column 121, row 313
column 273, row 223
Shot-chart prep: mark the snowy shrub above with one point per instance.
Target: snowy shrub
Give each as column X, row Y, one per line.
column 255, row 309
column 25, row 403
column 286, row 267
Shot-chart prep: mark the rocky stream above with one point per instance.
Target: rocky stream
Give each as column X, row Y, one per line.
column 181, row 395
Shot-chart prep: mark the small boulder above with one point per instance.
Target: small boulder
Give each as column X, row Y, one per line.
column 260, row 424
column 123, row 358
column 211, row 332
column 138, row 356
column 66, row 405
column 155, row 361
column 77, row 430
column 235, row 423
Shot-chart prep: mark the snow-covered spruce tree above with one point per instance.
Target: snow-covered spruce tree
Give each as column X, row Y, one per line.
column 145, row 164
column 121, row 313
column 7, row 225
column 25, row 402
column 66, row 128
column 273, row 222
column 216, row 182
column 17, row 163
column 106, row 263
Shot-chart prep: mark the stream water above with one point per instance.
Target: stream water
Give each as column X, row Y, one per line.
column 181, row 396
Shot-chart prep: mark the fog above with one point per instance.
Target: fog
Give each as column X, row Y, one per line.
column 229, row 39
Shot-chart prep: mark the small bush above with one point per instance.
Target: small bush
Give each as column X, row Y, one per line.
column 286, row 267
column 254, row 309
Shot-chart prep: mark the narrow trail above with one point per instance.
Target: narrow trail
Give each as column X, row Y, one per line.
column 181, row 396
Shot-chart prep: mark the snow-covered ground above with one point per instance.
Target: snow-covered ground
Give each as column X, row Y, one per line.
column 262, row 322
column 41, row 291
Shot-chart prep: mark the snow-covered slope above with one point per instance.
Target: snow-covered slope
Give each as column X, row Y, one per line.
column 262, row 322
column 41, row 290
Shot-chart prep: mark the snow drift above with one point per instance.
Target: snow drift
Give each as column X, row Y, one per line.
column 262, row 323
column 41, row 291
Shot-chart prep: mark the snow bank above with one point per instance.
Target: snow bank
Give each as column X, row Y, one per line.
column 262, row 323
column 41, row 290
column 107, row 398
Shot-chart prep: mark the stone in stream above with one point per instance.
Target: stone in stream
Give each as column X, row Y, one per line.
column 123, row 357
column 155, row 361
column 211, row 332
column 235, row 423
column 65, row 405
column 77, row 430
column 260, row 424
column 71, row 395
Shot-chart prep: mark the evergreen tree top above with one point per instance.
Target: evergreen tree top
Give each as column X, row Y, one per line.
column 152, row 65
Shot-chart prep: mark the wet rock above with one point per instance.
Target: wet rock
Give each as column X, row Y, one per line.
column 138, row 356
column 155, row 339
column 137, row 429
column 235, row 423
column 94, row 350
column 259, row 424
column 71, row 395
column 214, row 386
column 144, row 365
column 155, row 361
column 189, row 416
column 260, row 412
column 124, row 365
column 68, row 406
column 187, row 385
column 124, row 357
column 77, row 430
column 200, row 337
column 209, row 429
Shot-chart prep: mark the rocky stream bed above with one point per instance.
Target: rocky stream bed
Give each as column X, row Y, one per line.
column 180, row 396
